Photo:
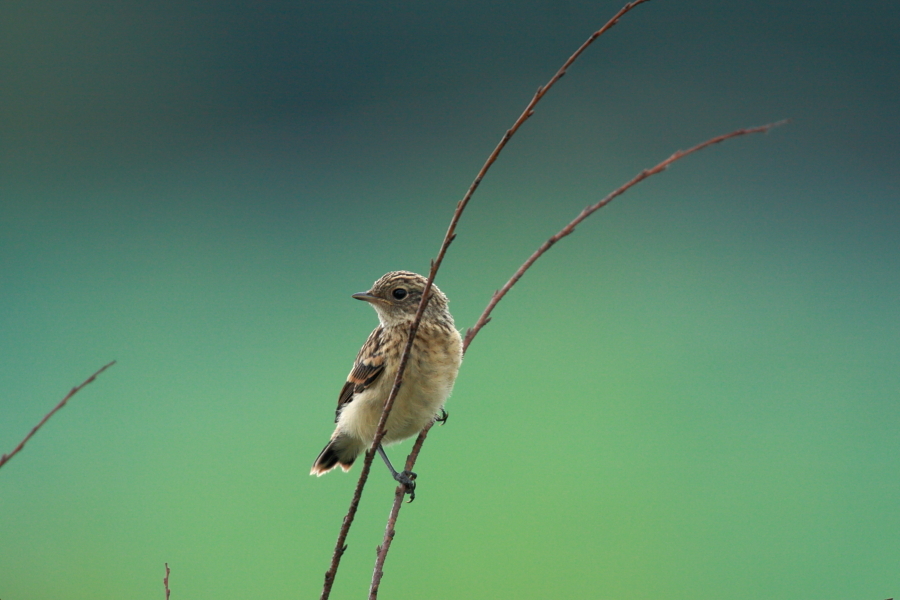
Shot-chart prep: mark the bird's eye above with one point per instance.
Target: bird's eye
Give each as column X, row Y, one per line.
column 399, row 294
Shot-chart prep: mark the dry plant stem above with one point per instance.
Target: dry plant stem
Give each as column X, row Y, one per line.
column 341, row 546
column 381, row 552
column 485, row 316
column 5, row 458
column 166, row 581
column 526, row 114
column 435, row 265
column 588, row 211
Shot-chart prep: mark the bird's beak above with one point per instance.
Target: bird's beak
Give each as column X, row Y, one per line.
column 367, row 297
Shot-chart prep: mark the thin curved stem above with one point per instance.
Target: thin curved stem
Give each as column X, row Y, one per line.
column 389, row 531
column 589, row 210
column 341, row 546
column 6, row 457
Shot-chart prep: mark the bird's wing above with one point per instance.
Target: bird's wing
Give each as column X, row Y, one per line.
column 368, row 367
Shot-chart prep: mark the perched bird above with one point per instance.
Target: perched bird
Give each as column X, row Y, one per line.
column 427, row 380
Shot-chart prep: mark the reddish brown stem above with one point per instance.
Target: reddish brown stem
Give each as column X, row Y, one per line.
column 341, row 546
column 166, row 581
column 588, row 211
column 6, row 457
column 381, row 553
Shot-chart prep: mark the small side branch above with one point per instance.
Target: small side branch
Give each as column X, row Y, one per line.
column 166, row 581
column 5, row 458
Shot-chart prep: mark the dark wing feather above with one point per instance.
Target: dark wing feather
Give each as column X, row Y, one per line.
column 368, row 367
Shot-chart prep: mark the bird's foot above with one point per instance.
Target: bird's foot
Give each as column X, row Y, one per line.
column 443, row 418
column 408, row 480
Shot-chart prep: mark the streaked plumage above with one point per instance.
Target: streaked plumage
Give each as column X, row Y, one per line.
column 427, row 381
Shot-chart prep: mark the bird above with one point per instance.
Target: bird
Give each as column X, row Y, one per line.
column 428, row 379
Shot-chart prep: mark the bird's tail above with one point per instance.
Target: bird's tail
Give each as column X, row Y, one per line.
column 341, row 451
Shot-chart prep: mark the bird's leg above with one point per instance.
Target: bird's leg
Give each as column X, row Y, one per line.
column 407, row 478
column 443, row 418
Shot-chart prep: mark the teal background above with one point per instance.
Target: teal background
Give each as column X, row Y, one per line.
column 694, row 396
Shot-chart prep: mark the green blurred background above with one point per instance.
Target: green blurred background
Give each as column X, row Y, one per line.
column 694, row 396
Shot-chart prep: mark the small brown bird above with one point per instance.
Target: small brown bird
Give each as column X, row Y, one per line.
column 427, row 380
